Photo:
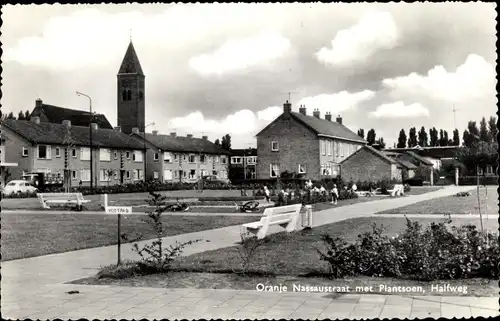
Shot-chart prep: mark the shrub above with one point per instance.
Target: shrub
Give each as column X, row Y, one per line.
column 483, row 180
column 248, row 249
column 436, row 252
column 19, row 195
column 228, row 199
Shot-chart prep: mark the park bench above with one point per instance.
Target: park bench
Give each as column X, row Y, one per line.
column 61, row 198
column 284, row 216
column 397, row 190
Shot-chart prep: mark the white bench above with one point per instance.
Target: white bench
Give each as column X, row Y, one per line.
column 397, row 190
column 61, row 198
column 284, row 216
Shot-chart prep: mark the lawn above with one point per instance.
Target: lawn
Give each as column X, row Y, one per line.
column 417, row 190
column 454, row 205
column 294, row 259
column 28, row 235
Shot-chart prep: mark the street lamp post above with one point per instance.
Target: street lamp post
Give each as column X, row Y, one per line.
column 145, row 150
column 477, row 182
column 90, row 134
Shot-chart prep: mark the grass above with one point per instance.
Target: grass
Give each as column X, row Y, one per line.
column 417, row 190
column 28, row 235
column 453, row 204
column 294, row 260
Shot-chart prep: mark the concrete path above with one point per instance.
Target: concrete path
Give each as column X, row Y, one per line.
column 33, row 286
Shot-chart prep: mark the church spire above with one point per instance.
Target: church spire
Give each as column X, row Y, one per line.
column 130, row 63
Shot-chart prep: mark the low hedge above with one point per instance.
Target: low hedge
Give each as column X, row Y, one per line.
column 436, row 252
column 229, row 199
column 483, row 180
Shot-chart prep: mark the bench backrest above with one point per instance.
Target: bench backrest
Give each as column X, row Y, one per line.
column 61, row 196
column 275, row 214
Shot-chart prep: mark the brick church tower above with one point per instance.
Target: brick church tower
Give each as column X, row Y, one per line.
column 130, row 92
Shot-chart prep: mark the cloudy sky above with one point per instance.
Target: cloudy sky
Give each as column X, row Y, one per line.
column 216, row 69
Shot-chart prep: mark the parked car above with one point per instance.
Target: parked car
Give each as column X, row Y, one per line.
column 19, row 186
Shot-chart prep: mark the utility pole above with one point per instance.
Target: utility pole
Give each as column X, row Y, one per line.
column 90, row 134
column 454, row 116
column 290, row 95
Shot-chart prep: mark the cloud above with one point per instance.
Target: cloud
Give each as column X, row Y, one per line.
column 400, row 110
column 270, row 113
column 338, row 102
column 474, row 79
column 241, row 54
column 373, row 32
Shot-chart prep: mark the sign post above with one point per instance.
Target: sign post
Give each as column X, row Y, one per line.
column 119, row 210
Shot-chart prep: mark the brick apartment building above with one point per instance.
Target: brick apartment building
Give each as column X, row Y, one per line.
column 307, row 145
column 171, row 158
column 243, row 164
column 49, row 148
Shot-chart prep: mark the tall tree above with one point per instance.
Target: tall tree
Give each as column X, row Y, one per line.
column 27, row 115
column 380, row 142
column 422, row 137
column 441, row 138
column 472, row 128
column 11, row 116
column 217, row 142
column 371, row 137
column 226, row 142
column 361, row 133
column 456, row 137
column 433, row 135
column 446, row 140
column 492, row 128
column 484, row 134
column 20, row 116
column 402, row 139
column 412, row 139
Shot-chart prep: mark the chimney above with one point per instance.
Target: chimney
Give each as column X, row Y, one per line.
column 189, row 135
column 66, row 123
column 135, row 130
column 118, row 129
column 173, row 134
column 94, row 126
column 204, row 137
column 316, row 113
column 155, row 133
column 35, row 119
column 328, row 116
column 38, row 102
column 287, row 108
column 302, row 109
column 339, row 119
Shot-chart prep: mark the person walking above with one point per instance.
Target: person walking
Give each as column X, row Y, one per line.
column 335, row 194
column 268, row 194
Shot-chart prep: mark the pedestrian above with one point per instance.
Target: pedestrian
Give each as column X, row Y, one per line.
column 268, row 194
column 80, row 184
column 335, row 194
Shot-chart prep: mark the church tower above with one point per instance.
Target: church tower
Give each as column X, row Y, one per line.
column 130, row 93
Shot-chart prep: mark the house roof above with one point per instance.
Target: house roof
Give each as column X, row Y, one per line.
column 406, row 164
column 434, row 152
column 323, row 127
column 50, row 133
column 244, row 152
column 373, row 151
column 183, row 144
column 56, row 114
column 130, row 63
column 419, row 158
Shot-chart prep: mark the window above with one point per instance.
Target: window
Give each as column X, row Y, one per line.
column 104, row 155
column 323, row 147
column 73, row 175
column 223, row 159
column 137, row 157
column 192, row 159
column 167, row 174
column 336, row 147
column 103, row 175
column 489, row 170
column 115, row 155
column 25, row 152
column 251, row 160
column 185, row 174
column 325, row 169
column 85, row 175
column 330, row 147
column 85, row 153
column 217, row 158
column 167, row 157
column 43, row 152
column 175, row 156
column 156, row 156
column 127, row 174
column 235, row 160
column 192, row 174
column 274, row 170
column 302, row 169
column 138, row 174
column 176, row 174
column 341, row 149
column 127, row 155
column 223, row 174
column 155, row 175
column 58, row 152
column 274, row 146
column 73, row 152
column 203, row 158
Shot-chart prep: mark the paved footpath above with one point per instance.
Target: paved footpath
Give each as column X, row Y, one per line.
column 34, row 287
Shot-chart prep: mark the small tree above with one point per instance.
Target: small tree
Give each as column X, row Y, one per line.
column 27, row 115
column 492, row 128
column 20, row 116
column 361, row 133
column 109, row 174
column 248, row 249
column 402, row 139
column 456, row 137
column 371, row 137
